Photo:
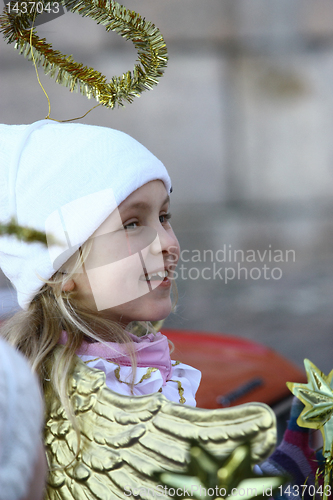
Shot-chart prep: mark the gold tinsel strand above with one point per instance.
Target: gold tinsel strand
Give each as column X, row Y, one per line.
column 23, row 233
column 147, row 39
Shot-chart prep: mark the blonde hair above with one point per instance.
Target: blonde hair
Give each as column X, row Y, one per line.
column 36, row 332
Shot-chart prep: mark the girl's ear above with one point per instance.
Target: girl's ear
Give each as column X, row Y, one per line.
column 68, row 286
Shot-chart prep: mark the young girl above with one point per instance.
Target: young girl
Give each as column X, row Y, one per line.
column 95, row 291
column 107, row 272
column 104, row 199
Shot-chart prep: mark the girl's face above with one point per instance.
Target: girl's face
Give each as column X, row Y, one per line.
column 129, row 268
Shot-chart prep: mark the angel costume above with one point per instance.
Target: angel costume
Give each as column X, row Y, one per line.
column 125, row 441
column 117, row 441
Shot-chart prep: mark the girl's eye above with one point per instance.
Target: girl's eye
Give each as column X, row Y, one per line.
column 164, row 218
column 131, row 225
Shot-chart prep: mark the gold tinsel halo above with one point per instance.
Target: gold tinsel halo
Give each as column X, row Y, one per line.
column 150, row 45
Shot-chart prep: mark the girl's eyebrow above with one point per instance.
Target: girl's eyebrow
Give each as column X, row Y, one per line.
column 144, row 205
column 167, row 200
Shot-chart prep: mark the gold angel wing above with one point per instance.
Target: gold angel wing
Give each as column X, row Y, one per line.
column 124, row 440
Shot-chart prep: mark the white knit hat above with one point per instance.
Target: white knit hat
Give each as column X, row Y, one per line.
column 63, row 175
column 21, row 419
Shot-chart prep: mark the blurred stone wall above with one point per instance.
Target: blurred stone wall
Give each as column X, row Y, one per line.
column 244, row 112
column 243, row 120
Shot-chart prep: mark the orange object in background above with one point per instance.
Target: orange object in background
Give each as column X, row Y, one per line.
column 235, row 370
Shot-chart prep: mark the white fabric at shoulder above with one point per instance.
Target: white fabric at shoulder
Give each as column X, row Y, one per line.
column 21, row 419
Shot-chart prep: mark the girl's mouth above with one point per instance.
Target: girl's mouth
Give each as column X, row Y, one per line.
column 155, row 276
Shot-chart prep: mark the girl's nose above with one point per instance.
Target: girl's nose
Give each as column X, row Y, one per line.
column 165, row 242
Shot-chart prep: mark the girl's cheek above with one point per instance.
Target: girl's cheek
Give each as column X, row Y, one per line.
column 174, row 250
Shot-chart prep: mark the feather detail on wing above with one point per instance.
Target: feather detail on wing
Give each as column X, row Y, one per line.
column 124, row 440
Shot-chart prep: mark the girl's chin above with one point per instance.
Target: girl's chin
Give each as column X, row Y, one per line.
column 145, row 308
column 157, row 316
column 153, row 314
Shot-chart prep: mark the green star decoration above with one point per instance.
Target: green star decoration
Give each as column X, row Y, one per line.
column 209, row 477
column 317, row 396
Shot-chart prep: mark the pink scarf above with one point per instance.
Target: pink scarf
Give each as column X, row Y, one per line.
column 152, row 350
